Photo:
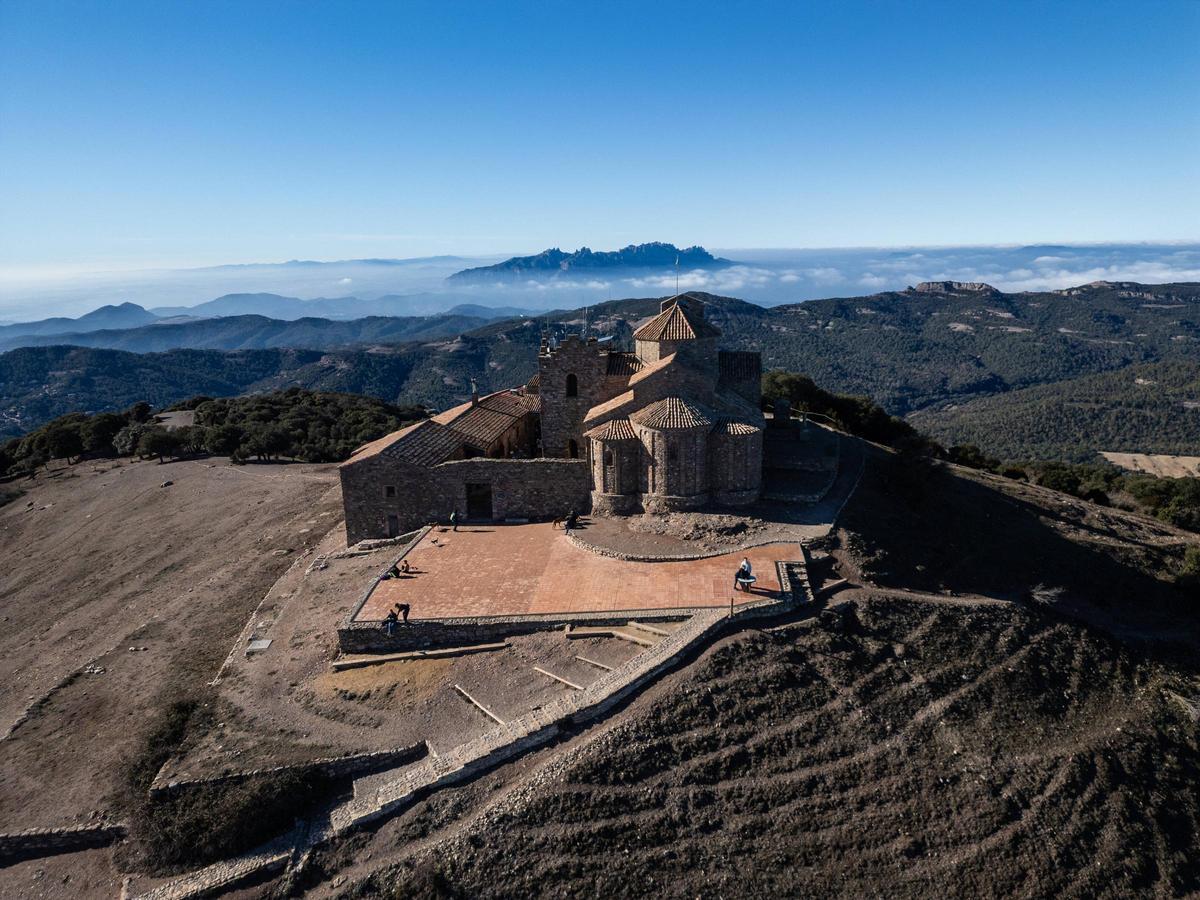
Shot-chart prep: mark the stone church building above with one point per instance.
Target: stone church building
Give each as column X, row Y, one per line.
column 675, row 424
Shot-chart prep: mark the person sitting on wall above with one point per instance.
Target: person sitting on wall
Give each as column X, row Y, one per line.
column 389, row 622
column 744, row 578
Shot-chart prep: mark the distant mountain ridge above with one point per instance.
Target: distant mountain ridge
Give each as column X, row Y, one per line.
column 556, row 261
column 258, row 332
column 962, row 347
column 123, row 315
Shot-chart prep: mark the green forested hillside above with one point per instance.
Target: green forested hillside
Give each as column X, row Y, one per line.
column 917, row 350
column 256, row 333
column 1140, row 409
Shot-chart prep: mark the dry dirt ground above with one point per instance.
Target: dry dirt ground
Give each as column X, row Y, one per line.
column 941, row 727
column 98, row 559
column 948, row 725
column 910, row 747
column 1161, row 464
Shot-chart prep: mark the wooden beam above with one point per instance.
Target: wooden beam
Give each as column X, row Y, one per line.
column 548, row 674
column 596, row 663
column 357, row 662
column 487, row 712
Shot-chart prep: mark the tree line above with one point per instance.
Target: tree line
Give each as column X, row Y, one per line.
column 308, row 426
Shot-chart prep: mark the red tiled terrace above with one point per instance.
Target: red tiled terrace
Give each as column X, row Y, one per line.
column 513, row 570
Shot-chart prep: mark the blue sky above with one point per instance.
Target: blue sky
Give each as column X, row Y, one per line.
column 175, row 134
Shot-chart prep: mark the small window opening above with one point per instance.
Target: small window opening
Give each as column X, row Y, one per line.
column 389, row 491
column 572, row 449
column 572, row 385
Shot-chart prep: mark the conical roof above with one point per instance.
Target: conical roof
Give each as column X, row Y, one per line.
column 613, row 430
column 678, row 322
column 672, row 413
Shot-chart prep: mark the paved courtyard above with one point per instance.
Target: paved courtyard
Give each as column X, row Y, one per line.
column 506, row 570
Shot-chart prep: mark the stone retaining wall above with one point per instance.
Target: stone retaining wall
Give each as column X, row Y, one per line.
column 332, row 767
column 670, row 557
column 369, row 637
column 38, row 842
column 540, row 726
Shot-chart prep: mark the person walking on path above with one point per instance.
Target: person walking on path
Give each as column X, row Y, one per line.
column 454, row 520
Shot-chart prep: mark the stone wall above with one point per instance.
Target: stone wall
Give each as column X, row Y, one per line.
column 354, row 764
column 735, row 467
column 562, row 415
column 38, row 842
column 369, row 637
column 521, row 488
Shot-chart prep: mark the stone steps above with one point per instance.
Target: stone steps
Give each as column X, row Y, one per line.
column 642, row 638
column 221, row 877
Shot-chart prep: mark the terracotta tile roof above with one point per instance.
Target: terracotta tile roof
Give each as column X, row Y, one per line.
column 624, row 364
column 676, row 323
column 534, row 383
column 609, row 405
column 426, row 445
column 649, row 369
column 739, row 365
column 447, row 416
column 727, row 425
column 480, row 425
column 613, row 430
column 506, row 402
column 379, row 444
column 432, row 441
column 672, row 413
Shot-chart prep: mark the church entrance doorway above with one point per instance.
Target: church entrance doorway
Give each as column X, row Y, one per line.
column 479, row 501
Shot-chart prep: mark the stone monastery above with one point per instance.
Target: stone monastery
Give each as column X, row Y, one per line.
column 674, row 425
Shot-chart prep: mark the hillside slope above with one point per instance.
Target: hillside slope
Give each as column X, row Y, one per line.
column 910, row 350
column 935, row 723
column 256, row 332
column 1152, row 408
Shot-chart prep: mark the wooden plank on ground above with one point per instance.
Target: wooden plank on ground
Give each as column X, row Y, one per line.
column 559, row 678
column 596, row 663
column 487, row 712
column 357, row 662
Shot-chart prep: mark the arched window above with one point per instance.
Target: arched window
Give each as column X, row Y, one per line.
column 609, row 460
column 572, row 387
column 572, row 447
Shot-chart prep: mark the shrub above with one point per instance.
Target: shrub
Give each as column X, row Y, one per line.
column 157, row 441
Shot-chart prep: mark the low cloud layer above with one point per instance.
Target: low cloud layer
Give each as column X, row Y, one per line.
column 762, row 276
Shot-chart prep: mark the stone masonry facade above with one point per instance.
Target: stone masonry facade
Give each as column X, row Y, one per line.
column 676, row 424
